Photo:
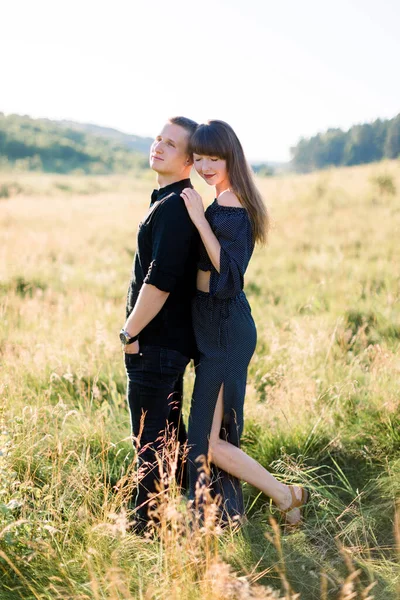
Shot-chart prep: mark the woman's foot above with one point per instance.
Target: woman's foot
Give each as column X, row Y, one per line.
column 295, row 498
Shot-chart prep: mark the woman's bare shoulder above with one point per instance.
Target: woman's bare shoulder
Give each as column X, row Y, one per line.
column 228, row 198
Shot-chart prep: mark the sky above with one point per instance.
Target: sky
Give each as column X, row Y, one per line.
column 276, row 71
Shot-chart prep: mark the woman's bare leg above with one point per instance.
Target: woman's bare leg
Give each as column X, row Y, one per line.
column 234, row 461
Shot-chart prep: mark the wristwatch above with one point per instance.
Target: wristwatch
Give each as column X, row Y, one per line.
column 126, row 338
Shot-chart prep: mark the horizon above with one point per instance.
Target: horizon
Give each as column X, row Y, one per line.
column 254, row 162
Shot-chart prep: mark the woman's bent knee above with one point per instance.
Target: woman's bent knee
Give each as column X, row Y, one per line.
column 214, row 449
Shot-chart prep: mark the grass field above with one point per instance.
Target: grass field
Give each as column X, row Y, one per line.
column 322, row 406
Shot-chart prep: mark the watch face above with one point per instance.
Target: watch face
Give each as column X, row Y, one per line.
column 122, row 337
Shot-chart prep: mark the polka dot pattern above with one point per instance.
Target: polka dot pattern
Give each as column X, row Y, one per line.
column 226, row 338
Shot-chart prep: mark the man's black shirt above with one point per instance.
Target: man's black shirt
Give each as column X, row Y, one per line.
column 166, row 254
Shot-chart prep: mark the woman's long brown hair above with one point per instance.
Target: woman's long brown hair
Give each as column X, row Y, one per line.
column 217, row 138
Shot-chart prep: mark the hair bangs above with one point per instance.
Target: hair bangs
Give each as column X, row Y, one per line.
column 217, row 139
column 206, row 141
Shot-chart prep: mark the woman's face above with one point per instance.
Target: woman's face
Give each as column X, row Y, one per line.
column 211, row 168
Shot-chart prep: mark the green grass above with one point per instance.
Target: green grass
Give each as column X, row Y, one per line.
column 321, row 408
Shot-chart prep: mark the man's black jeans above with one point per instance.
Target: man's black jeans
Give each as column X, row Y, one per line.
column 155, row 393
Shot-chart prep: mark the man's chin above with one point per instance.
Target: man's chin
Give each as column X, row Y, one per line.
column 157, row 165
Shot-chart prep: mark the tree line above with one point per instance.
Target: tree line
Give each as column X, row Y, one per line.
column 40, row 145
column 365, row 143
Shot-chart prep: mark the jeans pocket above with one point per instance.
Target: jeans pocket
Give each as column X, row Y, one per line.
column 133, row 361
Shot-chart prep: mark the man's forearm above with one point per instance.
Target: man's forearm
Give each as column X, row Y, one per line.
column 149, row 303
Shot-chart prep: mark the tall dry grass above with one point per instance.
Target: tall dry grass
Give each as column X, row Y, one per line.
column 321, row 408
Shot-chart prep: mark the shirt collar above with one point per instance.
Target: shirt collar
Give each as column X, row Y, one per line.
column 176, row 187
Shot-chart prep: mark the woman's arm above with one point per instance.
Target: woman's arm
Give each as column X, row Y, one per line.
column 195, row 208
column 230, row 252
column 211, row 243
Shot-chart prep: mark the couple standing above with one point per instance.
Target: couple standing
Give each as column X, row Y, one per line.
column 186, row 300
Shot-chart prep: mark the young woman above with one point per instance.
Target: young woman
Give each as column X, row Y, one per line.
column 224, row 328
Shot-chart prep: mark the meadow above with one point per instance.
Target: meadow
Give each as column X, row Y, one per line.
column 322, row 404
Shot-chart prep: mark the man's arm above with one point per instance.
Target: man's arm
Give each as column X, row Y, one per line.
column 172, row 234
column 148, row 304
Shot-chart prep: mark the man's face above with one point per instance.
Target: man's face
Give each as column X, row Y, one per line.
column 168, row 153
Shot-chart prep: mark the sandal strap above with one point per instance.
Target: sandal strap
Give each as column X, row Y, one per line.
column 297, row 502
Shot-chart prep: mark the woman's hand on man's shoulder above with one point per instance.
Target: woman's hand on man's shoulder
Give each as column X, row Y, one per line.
column 194, row 205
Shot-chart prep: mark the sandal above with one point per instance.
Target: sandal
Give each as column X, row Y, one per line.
column 296, row 503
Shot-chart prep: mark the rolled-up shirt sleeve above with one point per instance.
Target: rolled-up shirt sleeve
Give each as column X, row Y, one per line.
column 172, row 232
column 235, row 237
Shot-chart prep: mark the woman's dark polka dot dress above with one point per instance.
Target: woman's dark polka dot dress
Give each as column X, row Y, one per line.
column 226, row 338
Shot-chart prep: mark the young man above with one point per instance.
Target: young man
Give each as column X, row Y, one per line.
column 157, row 336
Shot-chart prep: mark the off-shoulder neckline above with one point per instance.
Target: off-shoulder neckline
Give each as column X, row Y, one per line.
column 228, row 207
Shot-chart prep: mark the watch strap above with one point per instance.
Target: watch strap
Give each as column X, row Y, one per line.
column 132, row 339
column 127, row 339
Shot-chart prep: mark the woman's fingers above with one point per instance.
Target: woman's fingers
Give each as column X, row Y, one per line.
column 185, row 198
column 191, row 194
column 194, row 205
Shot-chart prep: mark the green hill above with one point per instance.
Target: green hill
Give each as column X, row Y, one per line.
column 67, row 147
column 133, row 142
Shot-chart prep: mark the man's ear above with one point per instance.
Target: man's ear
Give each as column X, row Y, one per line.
column 189, row 160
